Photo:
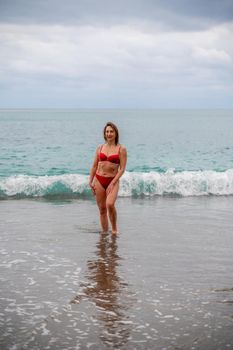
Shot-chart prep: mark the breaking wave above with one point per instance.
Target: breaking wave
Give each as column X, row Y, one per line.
column 133, row 184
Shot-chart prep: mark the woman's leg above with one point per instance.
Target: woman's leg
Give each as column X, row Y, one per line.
column 100, row 195
column 110, row 203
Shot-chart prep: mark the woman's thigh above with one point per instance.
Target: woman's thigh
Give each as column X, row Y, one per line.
column 112, row 196
column 100, row 194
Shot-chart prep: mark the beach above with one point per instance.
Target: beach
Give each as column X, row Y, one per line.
column 130, row 102
column 164, row 282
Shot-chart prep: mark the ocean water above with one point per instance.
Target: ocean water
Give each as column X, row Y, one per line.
column 49, row 153
column 165, row 281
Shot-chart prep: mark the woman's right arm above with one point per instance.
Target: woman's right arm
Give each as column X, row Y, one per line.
column 94, row 168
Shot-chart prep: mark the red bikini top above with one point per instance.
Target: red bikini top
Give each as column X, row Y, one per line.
column 113, row 158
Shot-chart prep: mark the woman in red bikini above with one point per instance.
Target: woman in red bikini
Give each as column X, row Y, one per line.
column 109, row 165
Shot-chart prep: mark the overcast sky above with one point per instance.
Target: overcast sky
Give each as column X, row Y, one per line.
column 116, row 54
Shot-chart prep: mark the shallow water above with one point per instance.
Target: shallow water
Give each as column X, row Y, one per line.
column 165, row 282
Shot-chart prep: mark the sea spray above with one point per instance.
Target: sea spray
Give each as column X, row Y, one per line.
column 184, row 183
column 22, row 186
column 132, row 184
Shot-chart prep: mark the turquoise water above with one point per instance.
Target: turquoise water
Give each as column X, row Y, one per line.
column 170, row 152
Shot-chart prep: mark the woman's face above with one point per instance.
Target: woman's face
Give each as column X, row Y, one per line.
column 110, row 134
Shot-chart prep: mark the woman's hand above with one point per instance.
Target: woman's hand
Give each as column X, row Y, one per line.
column 92, row 188
column 110, row 188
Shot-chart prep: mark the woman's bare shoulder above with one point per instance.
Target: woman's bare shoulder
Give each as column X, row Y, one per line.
column 122, row 148
column 97, row 151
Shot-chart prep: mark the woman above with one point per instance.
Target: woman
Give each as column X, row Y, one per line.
column 109, row 165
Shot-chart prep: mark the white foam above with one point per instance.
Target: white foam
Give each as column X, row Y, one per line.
column 185, row 183
column 37, row 186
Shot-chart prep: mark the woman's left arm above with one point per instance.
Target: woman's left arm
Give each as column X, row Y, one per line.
column 123, row 160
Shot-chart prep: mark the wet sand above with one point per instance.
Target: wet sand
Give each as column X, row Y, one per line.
column 165, row 281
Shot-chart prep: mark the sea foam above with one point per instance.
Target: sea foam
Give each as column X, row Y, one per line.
column 132, row 184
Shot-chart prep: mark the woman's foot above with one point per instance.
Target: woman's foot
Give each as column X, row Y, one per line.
column 104, row 232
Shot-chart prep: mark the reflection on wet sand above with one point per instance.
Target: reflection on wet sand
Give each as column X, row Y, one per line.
column 109, row 293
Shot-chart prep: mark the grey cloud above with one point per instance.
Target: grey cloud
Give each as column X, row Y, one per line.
column 180, row 14
column 108, row 53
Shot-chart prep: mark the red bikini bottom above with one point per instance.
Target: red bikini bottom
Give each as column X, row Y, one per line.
column 104, row 180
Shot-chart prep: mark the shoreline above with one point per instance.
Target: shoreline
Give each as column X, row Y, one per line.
column 165, row 281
